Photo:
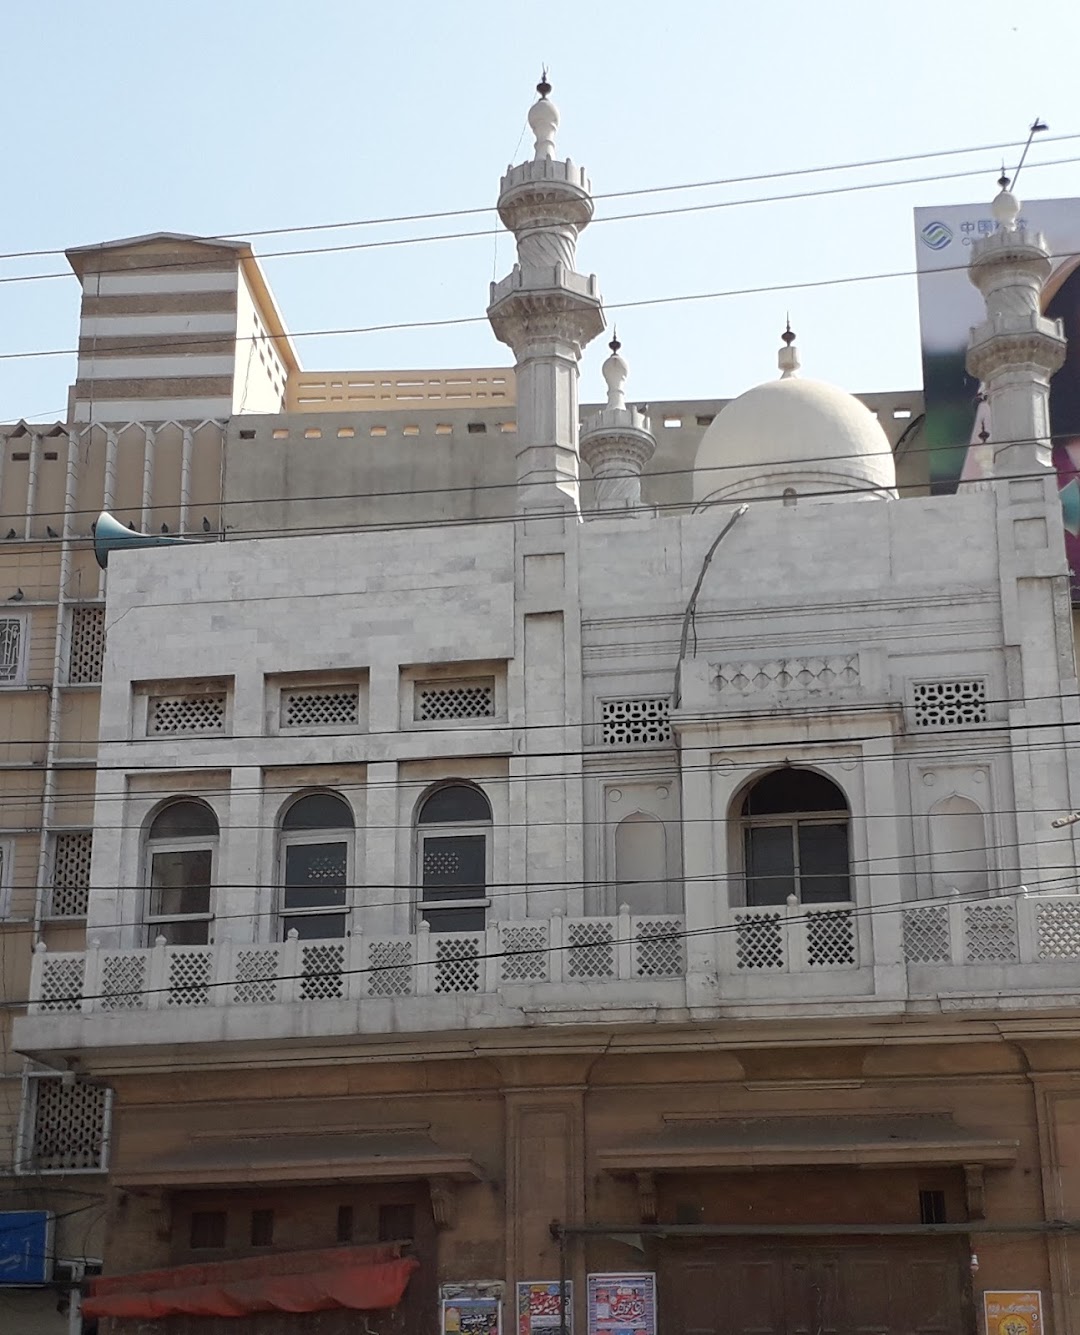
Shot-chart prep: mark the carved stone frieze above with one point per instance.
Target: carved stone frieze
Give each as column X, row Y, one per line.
column 824, row 673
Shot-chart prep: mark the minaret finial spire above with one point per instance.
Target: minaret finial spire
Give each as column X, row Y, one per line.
column 544, row 120
column 788, row 357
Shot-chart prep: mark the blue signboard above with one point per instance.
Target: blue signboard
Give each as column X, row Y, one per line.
column 25, row 1246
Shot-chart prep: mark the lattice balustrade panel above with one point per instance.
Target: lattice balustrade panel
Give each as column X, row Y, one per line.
column 524, row 957
column 123, row 979
column 437, row 700
column 87, row 648
column 61, row 983
column 322, row 971
column 321, row 707
column 927, row 939
column 1058, row 926
column 949, row 704
column 591, row 952
column 390, row 968
column 643, row 721
column 760, row 941
column 658, row 948
column 189, row 974
column 69, row 1126
column 830, row 939
column 990, row 933
column 185, row 713
column 255, row 977
column 71, row 874
column 457, row 964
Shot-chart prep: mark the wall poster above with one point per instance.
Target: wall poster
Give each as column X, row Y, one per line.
column 538, row 1307
column 1018, row 1313
column 470, row 1309
column 622, row 1304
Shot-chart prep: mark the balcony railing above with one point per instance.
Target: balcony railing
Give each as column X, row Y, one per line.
column 1018, row 929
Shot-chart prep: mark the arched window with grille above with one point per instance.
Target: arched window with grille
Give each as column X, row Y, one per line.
column 453, row 854
column 317, row 833
column 795, row 839
column 181, row 845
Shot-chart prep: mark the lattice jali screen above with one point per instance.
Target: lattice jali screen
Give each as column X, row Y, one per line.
column 524, row 958
column 990, row 933
column 390, row 972
column 658, row 948
column 947, row 704
column 591, row 952
column 68, row 1126
column 1058, row 925
column 123, row 978
column 255, row 980
column 760, row 941
column 72, row 852
column 61, row 983
column 642, row 721
column 87, row 648
column 434, row 701
column 457, row 964
column 322, row 972
column 830, row 939
column 321, row 707
column 927, row 939
column 189, row 974
column 185, row 713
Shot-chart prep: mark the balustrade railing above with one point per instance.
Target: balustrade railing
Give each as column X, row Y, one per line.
column 1013, row 929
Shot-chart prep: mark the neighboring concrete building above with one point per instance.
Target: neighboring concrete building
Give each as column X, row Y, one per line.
column 686, row 874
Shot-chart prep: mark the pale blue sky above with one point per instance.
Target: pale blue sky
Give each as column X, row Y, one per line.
column 123, row 117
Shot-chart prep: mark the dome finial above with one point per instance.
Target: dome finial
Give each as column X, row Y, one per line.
column 788, row 358
column 615, row 371
column 544, row 120
column 1006, row 207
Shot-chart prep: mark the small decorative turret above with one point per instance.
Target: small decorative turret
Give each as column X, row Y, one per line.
column 546, row 311
column 616, row 442
column 1016, row 350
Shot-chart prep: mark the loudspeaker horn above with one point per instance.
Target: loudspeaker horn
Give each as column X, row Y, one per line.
column 110, row 536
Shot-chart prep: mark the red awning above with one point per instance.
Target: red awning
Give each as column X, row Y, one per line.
column 360, row 1278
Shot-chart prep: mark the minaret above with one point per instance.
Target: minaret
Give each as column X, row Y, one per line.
column 1016, row 350
column 546, row 312
column 616, row 442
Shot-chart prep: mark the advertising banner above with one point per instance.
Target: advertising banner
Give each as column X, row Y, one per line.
column 1013, row 1313
column 949, row 305
column 471, row 1316
column 622, row 1304
column 538, row 1308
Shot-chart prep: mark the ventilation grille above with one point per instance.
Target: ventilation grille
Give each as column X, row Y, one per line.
column 87, row 645
column 436, row 701
column 71, row 874
column 185, row 713
column 320, row 707
column 10, row 648
column 68, row 1127
column 642, row 721
column 948, row 704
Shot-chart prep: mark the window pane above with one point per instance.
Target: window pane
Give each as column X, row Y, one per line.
column 455, row 803
column 180, row 881
column 823, row 863
column 315, row 875
column 314, row 926
column 456, row 920
column 319, row 811
column 184, row 820
column 770, row 864
column 181, row 933
column 791, row 790
column 455, row 861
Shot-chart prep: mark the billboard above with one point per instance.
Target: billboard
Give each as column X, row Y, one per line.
column 949, row 304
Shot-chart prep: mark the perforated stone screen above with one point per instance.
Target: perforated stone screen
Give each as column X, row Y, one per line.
column 438, row 700
column 185, row 714
column 68, row 1127
column 71, row 874
column 636, row 721
column 320, row 707
column 946, row 704
column 87, row 647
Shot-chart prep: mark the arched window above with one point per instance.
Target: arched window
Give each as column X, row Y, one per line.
column 453, row 849
column 316, row 842
column 958, row 847
column 180, row 848
column 641, row 864
column 795, row 839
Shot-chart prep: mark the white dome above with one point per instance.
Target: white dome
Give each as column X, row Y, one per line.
column 793, row 435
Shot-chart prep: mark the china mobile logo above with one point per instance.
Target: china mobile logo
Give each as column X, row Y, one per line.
column 936, row 235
